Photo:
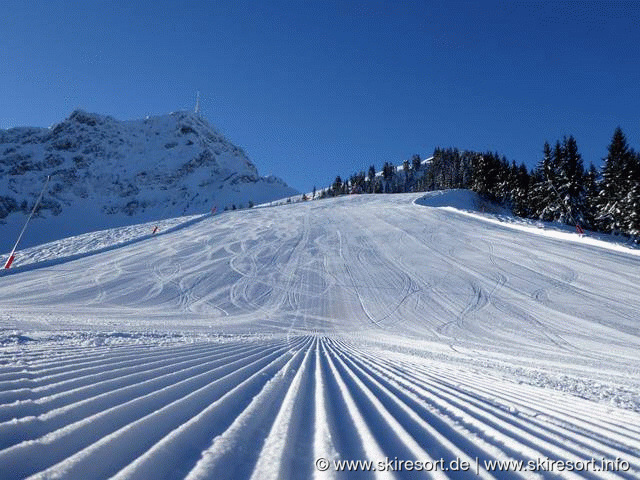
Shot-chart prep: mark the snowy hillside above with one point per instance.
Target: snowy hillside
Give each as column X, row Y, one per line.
column 107, row 173
column 271, row 343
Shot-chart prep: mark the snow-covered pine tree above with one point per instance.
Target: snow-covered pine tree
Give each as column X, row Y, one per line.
column 486, row 177
column 512, row 185
column 503, row 187
column 337, row 187
column 371, row 179
column 547, row 202
column 406, row 168
column 416, row 163
column 520, row 180
column 388, row 171
column 571, row 183
column 535, row 195
column 591, row 189
column 630, row 204
column 615, row 183
column 465, row 170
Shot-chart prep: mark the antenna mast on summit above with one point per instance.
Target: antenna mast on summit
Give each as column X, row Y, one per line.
column 197, row 109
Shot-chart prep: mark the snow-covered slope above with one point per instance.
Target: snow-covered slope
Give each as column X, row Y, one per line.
column 107, row 173
column 260, row 343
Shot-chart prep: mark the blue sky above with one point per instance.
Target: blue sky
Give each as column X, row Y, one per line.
column 315, row 89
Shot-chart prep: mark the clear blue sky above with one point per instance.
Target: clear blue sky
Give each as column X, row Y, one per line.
column 315, row 89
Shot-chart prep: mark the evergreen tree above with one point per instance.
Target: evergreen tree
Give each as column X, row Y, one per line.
column 571, row 183
column 481, row 171
column 541, row 191
column 357, row 182
column 535, row 196
column 591, row 196
column 465, row 169
column 415, row 162
column 520, row 182
column 337, row 188
column 630, row 204
column 406, row 169
column 549, row 200
column 372, row 179
column 615, row 184
column 502, row 189
column 387, row 171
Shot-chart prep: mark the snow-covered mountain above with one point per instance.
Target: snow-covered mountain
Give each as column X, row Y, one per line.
column 107, row 173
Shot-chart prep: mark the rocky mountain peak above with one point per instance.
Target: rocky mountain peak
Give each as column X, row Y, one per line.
column 106, row 172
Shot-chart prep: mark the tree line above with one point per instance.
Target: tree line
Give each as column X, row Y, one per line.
column 558, row 189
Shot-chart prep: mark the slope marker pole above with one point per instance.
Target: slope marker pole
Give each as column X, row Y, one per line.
column 12, row 256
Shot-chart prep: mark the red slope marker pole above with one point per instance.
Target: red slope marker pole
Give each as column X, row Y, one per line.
column 12, row 255
column 10, row 261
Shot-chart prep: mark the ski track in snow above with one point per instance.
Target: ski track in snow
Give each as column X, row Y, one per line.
column 367, row 327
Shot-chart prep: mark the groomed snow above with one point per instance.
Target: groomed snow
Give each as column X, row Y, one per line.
column 250, row 344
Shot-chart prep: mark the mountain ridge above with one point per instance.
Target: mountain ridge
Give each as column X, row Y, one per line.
column 107, row 172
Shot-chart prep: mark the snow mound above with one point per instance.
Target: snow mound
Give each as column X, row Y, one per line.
column 466, row 202
column 462, row 200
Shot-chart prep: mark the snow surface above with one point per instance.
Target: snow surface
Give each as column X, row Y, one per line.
column 249, row 344
column 469, row 203
column 93, row 242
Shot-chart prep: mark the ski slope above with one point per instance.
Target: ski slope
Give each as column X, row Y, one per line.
column 259, row 343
